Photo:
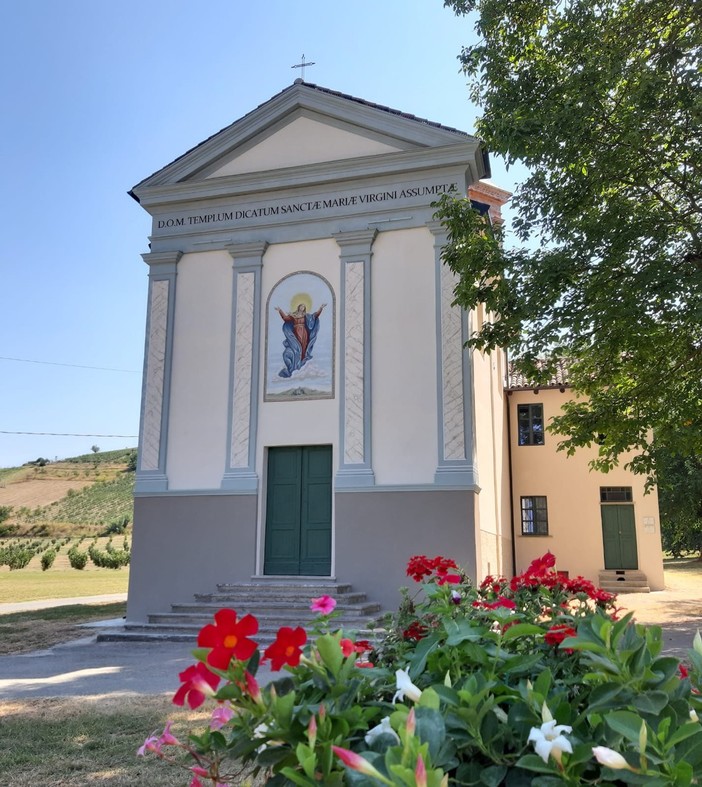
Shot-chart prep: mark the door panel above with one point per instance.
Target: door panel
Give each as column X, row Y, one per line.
column 619, row 537
column 298, row 511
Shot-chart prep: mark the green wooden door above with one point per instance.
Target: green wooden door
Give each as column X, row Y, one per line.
column 619, row 535
column 298, row 511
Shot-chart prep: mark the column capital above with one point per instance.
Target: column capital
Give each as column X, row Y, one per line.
column 162, row 261
column 355, row 243
column 246, row 254
column 439, row 231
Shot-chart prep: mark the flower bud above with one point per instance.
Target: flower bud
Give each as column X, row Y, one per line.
column 610, row 758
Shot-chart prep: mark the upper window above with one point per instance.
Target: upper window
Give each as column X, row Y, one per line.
column 534, row 516
column 615, row 494
column 530, row 424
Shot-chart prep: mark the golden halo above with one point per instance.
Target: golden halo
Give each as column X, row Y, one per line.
column 301, row 298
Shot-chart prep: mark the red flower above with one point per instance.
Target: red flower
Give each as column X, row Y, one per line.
column 198, row 682
column 347, row 647
column 507, row 603
column 684, row 672
column 415, row 631
column 287, row 647
column 541, row 565
column 228, row 638
column 421, row 566
column 556, row 634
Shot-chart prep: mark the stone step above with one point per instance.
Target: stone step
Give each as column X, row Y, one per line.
column 259, row 599
column 276, row 619
column 624, row 581
column 275, row 602
column 175, row 632
column 301, row 609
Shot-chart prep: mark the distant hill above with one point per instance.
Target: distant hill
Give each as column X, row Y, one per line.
column 82, row 495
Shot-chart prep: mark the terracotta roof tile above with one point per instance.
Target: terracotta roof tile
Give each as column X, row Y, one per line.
column 517, row 381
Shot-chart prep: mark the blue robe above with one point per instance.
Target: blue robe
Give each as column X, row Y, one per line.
column 292, row 354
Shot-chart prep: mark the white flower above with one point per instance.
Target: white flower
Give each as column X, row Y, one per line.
column 610, row 758
column 405, row 687
column 549, row 740
column 383, row 728
column 694, row 716
column 697, row 642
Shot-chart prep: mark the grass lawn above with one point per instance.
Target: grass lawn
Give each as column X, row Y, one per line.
column 74, row 742
column 22, row 632
column 29, row 584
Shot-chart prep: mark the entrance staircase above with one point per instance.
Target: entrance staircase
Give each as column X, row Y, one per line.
column 622, row 580
column 274, row 601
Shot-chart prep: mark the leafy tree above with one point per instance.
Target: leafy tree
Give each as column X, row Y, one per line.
column 680, row 502
column 602, row 101
column 95, row 448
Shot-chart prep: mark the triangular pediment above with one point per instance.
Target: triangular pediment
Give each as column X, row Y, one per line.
column 302, row 139
column 304, row 125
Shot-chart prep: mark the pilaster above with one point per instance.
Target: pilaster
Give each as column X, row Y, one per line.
column 240, row 473
column 153, row 431
column 454, row 378
column 355, row 461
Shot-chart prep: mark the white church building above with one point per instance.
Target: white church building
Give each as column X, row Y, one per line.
column 309, row 409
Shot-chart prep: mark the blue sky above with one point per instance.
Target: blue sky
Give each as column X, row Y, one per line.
column 96, row 96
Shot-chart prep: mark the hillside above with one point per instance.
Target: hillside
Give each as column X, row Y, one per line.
column 76, row 496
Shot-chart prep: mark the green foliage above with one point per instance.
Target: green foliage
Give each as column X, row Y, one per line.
column 103, row 457
column 47, row 559
column 600, row 99
column 95, row 504
column 515, row 683
column 77, row 558
column 109, row 558
column 132, row 461
column 5, row 512
column 17, row 555
column 680, row 503
column 117, row 526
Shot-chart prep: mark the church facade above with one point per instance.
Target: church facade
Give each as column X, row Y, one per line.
column 308, row 408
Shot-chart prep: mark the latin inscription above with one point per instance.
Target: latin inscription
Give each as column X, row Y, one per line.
column 308, row 206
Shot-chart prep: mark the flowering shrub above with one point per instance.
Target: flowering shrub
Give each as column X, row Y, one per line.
column 528, row 681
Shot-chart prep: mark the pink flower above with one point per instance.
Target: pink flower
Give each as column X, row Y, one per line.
column 152, row 743
column 356, row 762
column 312, row 731
column 221, row 715
column 198, row 683
column 420, row 773
column 252, row 688
column 324, row 605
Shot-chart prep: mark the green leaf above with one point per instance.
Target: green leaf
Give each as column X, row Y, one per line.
column 522, row 630
column 651, row 702
column 330, row 651
column 625, row 723
column 493, row 775
column 421, row 653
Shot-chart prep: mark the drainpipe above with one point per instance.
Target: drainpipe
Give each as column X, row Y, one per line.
column 509, row 462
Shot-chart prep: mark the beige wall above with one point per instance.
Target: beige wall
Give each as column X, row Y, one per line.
column 492, row 503
column 572, row 491
column 403, row 347
column 197, row 429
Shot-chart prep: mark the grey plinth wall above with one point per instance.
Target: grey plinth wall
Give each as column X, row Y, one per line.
column 186, row 544
column 377, row 532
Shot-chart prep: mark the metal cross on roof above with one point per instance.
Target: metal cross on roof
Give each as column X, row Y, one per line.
column 302, row 66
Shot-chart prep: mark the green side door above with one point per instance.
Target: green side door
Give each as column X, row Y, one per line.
column 619, row 536
column 298, row 511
